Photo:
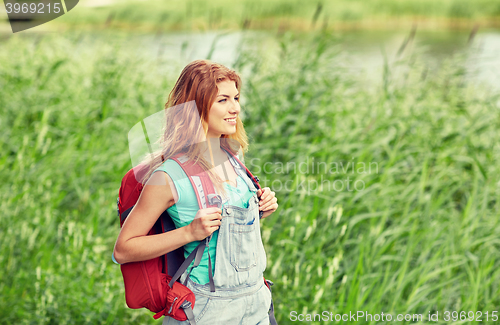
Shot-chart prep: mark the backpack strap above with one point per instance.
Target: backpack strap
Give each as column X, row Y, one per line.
column 202, row 185
column 238, row 165
column 272, row 318
column 240, row 168
column 205, row 194
column 188, row 309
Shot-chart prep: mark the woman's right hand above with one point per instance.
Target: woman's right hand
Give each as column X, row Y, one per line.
column 205, row 223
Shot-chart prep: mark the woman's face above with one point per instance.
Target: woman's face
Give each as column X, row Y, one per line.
column 225, row 109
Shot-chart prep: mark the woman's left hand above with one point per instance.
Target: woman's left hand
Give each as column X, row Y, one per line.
column 268, row 202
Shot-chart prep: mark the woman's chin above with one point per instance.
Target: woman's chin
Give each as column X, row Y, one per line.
column 230, row 131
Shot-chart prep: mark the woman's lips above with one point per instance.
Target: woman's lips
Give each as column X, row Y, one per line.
column 231, row 121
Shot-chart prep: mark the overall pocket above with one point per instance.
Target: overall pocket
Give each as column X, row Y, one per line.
column 243, row 246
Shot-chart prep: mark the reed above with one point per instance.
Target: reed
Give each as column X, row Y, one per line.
column 159, row 15
column 419, row 237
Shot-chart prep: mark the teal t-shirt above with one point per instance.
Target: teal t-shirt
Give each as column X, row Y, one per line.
column 184, row 211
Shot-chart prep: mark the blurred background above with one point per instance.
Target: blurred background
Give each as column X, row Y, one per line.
column 391, row 107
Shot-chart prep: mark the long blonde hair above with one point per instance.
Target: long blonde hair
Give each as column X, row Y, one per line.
column 187, row 123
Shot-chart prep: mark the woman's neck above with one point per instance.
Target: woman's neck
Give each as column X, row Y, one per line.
column 213, row 151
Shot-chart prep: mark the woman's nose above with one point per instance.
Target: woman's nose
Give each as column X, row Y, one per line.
column 235, row 108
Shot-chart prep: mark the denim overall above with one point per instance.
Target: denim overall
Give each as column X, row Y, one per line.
column 240, row 296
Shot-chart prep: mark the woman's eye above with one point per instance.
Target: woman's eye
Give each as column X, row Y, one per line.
column 223, row 100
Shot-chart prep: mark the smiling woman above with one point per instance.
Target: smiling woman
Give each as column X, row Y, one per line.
column 231, row 289
column 225, row 110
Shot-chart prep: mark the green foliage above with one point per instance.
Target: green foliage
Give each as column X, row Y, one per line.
column 265, row 14
column 420, row 236
column 66, row 112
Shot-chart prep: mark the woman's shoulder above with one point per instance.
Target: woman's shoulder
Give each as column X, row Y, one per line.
column 172, row 168
column 175, row 175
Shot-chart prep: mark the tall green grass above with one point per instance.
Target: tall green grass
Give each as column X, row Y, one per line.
column 421, row 236
column 283, row 14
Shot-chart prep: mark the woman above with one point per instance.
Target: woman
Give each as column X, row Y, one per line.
column 206, row 133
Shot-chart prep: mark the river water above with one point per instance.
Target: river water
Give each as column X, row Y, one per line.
column 362, row 52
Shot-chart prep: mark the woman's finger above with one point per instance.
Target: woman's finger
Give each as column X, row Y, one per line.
column 215, row 216
column 269, row 212
column 263, row 192
column 266, row 193
column 268, row 204
column 214, row 225
column 266, row 196
column 207, row 211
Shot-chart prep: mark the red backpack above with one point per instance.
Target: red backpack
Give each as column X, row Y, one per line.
column 154, row 284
